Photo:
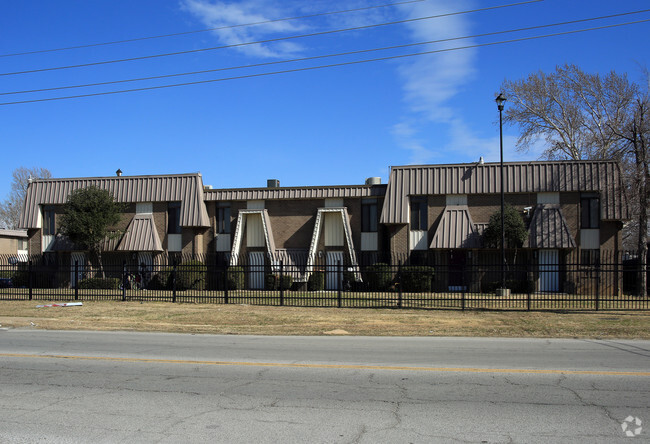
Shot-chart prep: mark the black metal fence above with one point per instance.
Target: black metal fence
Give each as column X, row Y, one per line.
column 576, row 282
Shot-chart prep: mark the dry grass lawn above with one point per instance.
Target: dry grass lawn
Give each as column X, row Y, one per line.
column 264, row 320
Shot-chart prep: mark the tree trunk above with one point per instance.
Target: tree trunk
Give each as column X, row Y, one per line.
column 643, row 189
column 98, row 255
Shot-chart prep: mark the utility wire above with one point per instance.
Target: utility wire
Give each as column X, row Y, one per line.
column 302, row 59
column 356, row 28
column 218, row 28
column 311, row 68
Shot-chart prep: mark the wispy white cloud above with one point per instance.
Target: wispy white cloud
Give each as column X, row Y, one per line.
column 431, row 80
column 217, row 13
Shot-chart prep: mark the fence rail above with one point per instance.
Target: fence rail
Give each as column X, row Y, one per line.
column 566, row 285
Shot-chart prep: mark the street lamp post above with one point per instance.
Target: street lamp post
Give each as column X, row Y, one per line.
column 500, row 99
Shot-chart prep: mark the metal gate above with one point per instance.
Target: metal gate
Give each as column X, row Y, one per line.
column 80, row 260
column 549, row 265
column 256, row 270
column 334, row 275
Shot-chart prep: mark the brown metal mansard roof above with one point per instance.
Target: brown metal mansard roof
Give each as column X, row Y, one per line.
column 184, row 188
column 603, row 177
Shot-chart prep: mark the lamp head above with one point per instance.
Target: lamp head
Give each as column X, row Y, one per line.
column 500, row 99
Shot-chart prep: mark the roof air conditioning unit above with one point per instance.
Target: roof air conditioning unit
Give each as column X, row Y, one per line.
column 373, row 181
column 273, row 183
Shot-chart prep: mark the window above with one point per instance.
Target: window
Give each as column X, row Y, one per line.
column 419, row 211
column 589, row 212
column 223, row 219
column 369, row 215
column 174, row 218
column 144, row 208
column 49, row 226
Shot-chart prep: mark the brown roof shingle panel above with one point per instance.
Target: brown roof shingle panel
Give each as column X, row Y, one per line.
column 185, row 188
column 548, row 229
column 519, row 177
column 141, row 235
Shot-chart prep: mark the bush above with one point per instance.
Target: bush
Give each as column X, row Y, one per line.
column 378, row 277
column 273, row 282
column 99, row 284
column 20, row 279
column 416, row 278
column 161, row 280
column 191, row 275
column 6, row 274
column 316, row 281
column 236, row 278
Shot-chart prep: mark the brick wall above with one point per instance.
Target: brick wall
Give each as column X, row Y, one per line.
column 292, row 221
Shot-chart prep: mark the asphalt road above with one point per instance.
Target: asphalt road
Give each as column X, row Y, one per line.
column 142, row 387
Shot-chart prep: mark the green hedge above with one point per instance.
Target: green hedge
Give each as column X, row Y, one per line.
column 20, row 279
column 191, row 275
column 378, row 277
column 273, row 282
column 236, row 278
column 161, row 280
column 416, row 278
column 99, row 284
column 316, row 281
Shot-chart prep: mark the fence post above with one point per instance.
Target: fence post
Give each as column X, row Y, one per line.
column 339, row 278
column 463, row 287
column 529, row 285
column 399, row 284
column 281, row 281
column 174, row 282
column 598, row 285
column 29, row 278
column 225, row 284
column 123, row 281
column 76, row 280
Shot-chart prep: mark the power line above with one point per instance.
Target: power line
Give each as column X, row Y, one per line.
column 218, row 28
column 315, row 34
column 303, row 59
column 311, row 68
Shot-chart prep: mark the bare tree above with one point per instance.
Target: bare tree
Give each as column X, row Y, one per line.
column 11, row 208
column 572, row 110
column 588, row 116
column 636, row 137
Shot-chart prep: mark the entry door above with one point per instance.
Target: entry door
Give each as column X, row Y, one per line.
column 549, row 265
column 80, row 258
column 334, row 274
column 256, row 270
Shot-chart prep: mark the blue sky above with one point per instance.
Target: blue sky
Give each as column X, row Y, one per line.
column 329, row 126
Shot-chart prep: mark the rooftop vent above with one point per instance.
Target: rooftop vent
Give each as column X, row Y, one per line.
column 273, row 183
column 373, row 181
column 118, row 172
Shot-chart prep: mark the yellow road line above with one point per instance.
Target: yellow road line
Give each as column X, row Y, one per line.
column 333, row 366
